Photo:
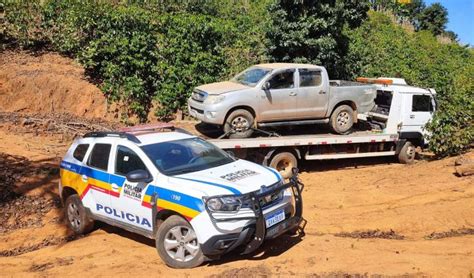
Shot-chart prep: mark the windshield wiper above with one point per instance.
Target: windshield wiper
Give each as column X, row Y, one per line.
column 180, row 172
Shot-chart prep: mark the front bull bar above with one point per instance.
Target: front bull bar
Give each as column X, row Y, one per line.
column 261, row 232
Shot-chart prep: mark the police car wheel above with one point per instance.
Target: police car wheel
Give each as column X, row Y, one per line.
column 76, row 216
column 177, row 244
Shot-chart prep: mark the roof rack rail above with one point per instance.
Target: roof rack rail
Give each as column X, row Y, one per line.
column 153, row 127
column 131, row 133
column 128, row 136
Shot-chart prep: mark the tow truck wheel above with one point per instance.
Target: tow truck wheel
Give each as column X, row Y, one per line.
column 283, row 162
column 76, row 216
column 177, row 244
column 239, row 124
column 407, row 153
column 342, row 119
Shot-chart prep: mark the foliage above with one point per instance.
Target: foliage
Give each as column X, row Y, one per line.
column 381, row 48
column 22, row 23
column 311, row 31
column 434, row 19
column 139, row 50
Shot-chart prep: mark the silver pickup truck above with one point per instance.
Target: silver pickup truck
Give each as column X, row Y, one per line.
column 279, row 94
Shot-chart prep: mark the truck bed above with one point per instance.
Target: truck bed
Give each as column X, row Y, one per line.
column 305, row 140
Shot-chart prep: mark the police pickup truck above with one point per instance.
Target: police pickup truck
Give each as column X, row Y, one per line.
column 195, row 200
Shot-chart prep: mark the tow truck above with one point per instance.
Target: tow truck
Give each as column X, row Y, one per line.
column 395, row 127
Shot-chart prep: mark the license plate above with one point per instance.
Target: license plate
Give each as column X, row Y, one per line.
column 275, row 218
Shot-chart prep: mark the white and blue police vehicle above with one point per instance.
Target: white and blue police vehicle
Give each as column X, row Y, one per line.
column 197, row 201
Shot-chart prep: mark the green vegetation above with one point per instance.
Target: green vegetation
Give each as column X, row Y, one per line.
column 382, row 48
column 311, row 31
column 138, row 52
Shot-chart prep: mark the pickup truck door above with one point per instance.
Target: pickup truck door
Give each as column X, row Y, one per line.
column 313, row 95
column 278, row 102
column 420, row 110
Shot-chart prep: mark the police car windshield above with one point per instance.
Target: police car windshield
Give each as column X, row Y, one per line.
column 185, row 156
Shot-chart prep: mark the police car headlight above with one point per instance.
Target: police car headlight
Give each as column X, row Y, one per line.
column 213, row 99
column 224, row 204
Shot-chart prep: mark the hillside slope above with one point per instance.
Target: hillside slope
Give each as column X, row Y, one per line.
column 47, row 83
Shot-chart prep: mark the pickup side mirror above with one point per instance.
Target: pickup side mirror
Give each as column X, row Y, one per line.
column 266, row 86
column 139, row 176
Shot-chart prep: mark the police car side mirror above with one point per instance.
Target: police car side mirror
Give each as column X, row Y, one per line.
column 266, row 86
column 139, row 176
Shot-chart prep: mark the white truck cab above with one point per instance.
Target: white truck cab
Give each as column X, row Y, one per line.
column 196, row 200
column 404, row 109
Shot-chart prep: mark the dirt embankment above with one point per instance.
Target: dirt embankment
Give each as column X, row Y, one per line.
column 365, row 217
column 47, row 83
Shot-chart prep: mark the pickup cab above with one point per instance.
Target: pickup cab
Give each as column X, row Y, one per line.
column 279, row 94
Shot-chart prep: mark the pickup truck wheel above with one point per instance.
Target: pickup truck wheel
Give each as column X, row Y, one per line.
column 76, row 216
column 177, row 243
column 239, row 124
column 342, row 119
column 407, row 153
column 283, row 162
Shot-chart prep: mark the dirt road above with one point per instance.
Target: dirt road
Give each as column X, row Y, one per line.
column 364, row 217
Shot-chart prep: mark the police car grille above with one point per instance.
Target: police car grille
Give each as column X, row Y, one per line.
column 274, row 198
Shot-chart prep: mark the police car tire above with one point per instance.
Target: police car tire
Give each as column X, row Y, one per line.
column 84, row 224
column 164, row 228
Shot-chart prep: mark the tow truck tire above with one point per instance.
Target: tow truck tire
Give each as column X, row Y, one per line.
column 241, row 122
column 342, row 119
column 177, row 243
column 407, row 153
column 76, row 216
column 283, row 162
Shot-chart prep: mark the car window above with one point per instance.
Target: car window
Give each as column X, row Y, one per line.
column 127, row 161
column 282, row 80
column 99, row 157
column 310, row 78
column 421, row 103
column 251, row 76
column 80, row 151
column 185, row 156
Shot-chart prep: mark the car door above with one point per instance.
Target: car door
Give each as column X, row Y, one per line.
column 95, row 174
column 132, row 202
column 422, row 108
column 278, row 100
column 312, row 99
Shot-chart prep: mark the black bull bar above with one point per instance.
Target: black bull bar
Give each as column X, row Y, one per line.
column 261, row 232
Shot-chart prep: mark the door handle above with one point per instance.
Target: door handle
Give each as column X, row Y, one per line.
column 115, row 187
column 84, row 178
column 322, row 92
column 412, row 116
column 293, row 94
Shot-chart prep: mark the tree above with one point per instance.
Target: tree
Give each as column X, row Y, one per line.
column 311, row 31
column 410, row 11
column 433, row 19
